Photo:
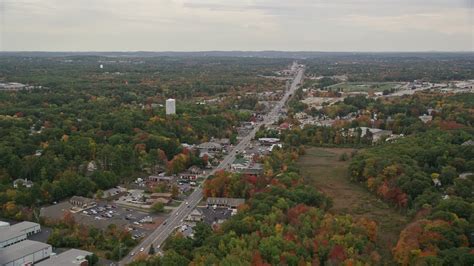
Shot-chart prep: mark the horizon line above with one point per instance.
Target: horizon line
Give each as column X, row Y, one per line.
column 229, row 51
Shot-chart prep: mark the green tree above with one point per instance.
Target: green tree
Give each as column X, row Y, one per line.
column 158, row 207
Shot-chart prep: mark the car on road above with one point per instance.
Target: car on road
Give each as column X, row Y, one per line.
column 132, row 254
column 177, row 213
column 142, row 249
column 187, row 203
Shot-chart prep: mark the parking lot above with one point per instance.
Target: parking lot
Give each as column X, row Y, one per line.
column 139, row 223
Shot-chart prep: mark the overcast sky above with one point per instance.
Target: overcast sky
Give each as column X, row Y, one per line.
column 197, row 25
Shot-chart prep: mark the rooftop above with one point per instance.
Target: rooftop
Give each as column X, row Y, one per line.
column 211, row 215
column 231, row 202
column 67, row 258
column 20, row 250
column 81, row 199
column 8, row 232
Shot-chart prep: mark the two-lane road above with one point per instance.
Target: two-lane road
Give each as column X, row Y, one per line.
column 162, row 232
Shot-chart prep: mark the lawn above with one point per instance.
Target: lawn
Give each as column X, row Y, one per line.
column 322, row 168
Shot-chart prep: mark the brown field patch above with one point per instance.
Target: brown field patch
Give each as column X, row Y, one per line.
column 322, row 168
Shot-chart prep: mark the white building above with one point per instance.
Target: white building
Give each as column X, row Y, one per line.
column 24, row 253
column 10, row 235
column 170, row 106
column 72, row 257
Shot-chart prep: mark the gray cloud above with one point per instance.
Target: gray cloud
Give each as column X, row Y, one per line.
column 324, row 25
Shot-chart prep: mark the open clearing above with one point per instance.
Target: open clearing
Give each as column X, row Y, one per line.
column 322, row 168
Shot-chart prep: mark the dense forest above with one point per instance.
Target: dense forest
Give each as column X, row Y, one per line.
column 394, row 67
column 430, row 173
column 91, row 128
column 283, row 221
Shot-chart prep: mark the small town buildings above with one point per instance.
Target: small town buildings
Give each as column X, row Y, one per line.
column 26, row 252
column 223, row 141
column 465, row 175
column 114, row 192
column 82, row 202
column 425, row 118
column 209, row 146
column 239, row 164
column 377, row 133
column 162, row 179
column 164, row 198
column 216, row 216
column 195, row 170
column 195, row 216
column 22, row 182
column 468, row 143
column 268, row 141
column 251, row 169
column 284, row 126
column 170, row 106
column 230, row 203
column 72, row 257
column 91, row 167
column 12, row 86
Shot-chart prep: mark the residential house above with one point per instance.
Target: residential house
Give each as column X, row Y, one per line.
column 22, row 182
column 196, row 215
column 425, row 118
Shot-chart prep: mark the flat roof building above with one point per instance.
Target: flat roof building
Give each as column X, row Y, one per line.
column 72, row 257
column 231, row 203
column 26, row 252
column 10, row 235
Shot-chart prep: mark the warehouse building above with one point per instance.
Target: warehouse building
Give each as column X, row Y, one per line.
column 10, row 235
column 26, row 252
column 72, row 257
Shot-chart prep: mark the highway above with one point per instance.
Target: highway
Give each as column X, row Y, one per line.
column 162, row 232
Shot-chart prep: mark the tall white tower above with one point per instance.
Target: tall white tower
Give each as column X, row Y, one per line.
column 170, row 106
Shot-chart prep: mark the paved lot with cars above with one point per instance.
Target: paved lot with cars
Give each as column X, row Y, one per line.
column 104, row 214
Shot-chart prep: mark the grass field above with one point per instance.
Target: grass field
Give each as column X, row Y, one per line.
column 365, row 86
column 322, row 168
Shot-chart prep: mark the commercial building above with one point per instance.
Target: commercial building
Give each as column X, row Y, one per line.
column 26, row 252
column 231, row 203
column 170, row 106
column 10, row 235
column 72, row 257
column 16, row 249
column 81, row 202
